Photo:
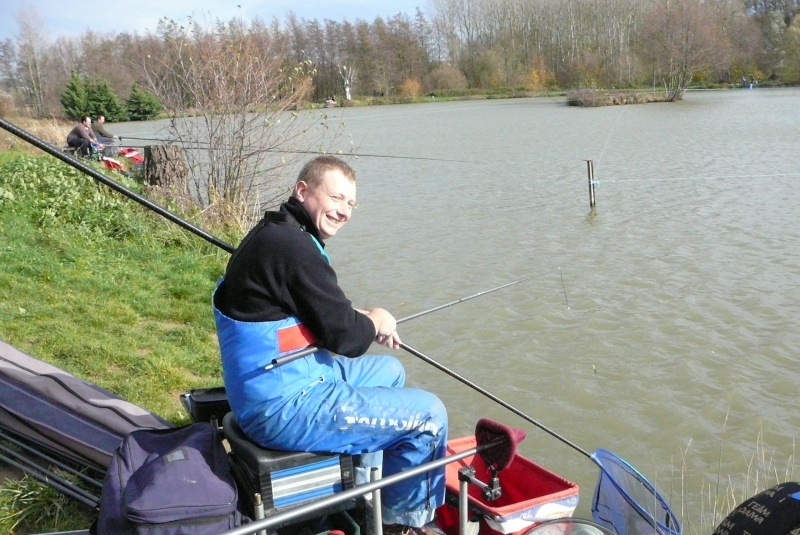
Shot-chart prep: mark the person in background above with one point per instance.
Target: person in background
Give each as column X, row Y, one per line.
column 82, row 138
column 280, row 295
column 104, row 136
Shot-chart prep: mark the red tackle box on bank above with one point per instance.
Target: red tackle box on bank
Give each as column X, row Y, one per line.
column 530, row 494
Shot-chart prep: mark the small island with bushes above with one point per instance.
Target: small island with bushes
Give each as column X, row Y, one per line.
column 591, row 98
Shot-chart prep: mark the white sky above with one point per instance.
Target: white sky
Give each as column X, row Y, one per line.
column 65, row 18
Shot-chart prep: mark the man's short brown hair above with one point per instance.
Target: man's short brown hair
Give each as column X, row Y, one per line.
column 313, row 171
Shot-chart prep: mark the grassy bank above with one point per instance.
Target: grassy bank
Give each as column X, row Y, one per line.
column 96, row 285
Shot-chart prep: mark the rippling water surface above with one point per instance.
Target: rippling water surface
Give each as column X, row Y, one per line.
column 662, row 325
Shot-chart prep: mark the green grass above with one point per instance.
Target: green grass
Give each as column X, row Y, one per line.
column 97, row 285
column 30, row 507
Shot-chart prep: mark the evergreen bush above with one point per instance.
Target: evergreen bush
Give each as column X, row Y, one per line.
column 75, row 97
column 84, row 96
column 142, row 105
column 103, row 101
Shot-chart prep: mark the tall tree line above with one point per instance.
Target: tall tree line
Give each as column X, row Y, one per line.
column 458, row 44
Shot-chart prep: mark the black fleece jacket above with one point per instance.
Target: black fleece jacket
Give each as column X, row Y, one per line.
column 278, row 271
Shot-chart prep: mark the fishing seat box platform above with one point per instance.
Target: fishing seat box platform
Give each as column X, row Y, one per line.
column 530, row 494
column 284, row 479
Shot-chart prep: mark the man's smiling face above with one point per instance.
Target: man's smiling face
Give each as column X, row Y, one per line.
column 330, row 203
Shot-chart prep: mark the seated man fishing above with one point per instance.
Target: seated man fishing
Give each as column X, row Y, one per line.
column 82, row 138
column 102, row 134
column 280, row 295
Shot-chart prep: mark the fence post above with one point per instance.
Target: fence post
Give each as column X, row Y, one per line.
column 590, row 171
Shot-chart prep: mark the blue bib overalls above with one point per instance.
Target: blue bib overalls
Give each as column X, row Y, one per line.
column 330, row 403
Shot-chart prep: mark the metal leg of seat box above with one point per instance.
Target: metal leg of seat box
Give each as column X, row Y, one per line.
column 258, row 512
column 377, row 516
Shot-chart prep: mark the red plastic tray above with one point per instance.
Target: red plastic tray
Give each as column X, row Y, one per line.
column 530, row 494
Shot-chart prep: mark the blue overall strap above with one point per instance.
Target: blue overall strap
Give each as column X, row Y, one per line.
column 321, row 250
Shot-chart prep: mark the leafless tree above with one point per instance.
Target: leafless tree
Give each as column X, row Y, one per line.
column 532, row 43
column 8, row 66
column 31, row 62
column 232, row 101
column 682, row 40
column 787, row 9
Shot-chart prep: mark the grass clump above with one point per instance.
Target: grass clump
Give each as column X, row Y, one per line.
column 763, row 471
column 27, row 506
column 52, row 131
column 702, row 510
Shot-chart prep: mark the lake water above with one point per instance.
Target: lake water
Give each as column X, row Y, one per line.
column 661, row 325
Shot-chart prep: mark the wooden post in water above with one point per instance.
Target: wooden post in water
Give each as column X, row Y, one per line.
column 165, row 166
column 590, row 171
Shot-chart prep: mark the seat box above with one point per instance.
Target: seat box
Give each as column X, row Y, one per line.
column 530, row 494
column 285, row 479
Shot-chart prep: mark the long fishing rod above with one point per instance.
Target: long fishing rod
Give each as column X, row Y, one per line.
column 643, row 510
column 47, row 477
column 473, row 296
column 286, row 151
column 491, row 396
column 300, row 354
column 69, row 160
column 280, row 361
column 622, row 476
column 52, row 461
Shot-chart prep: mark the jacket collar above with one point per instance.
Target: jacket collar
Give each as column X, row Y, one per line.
column 296, row 212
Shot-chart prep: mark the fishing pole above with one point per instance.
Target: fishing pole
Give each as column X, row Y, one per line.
column 313, row 349
column 473, row 296
column 52, row 461
column 566, row 301
column 48, row 477
column 119, row 188
column 289, row 151
column 491, row 396
column 620, row 464
column 623, row 477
